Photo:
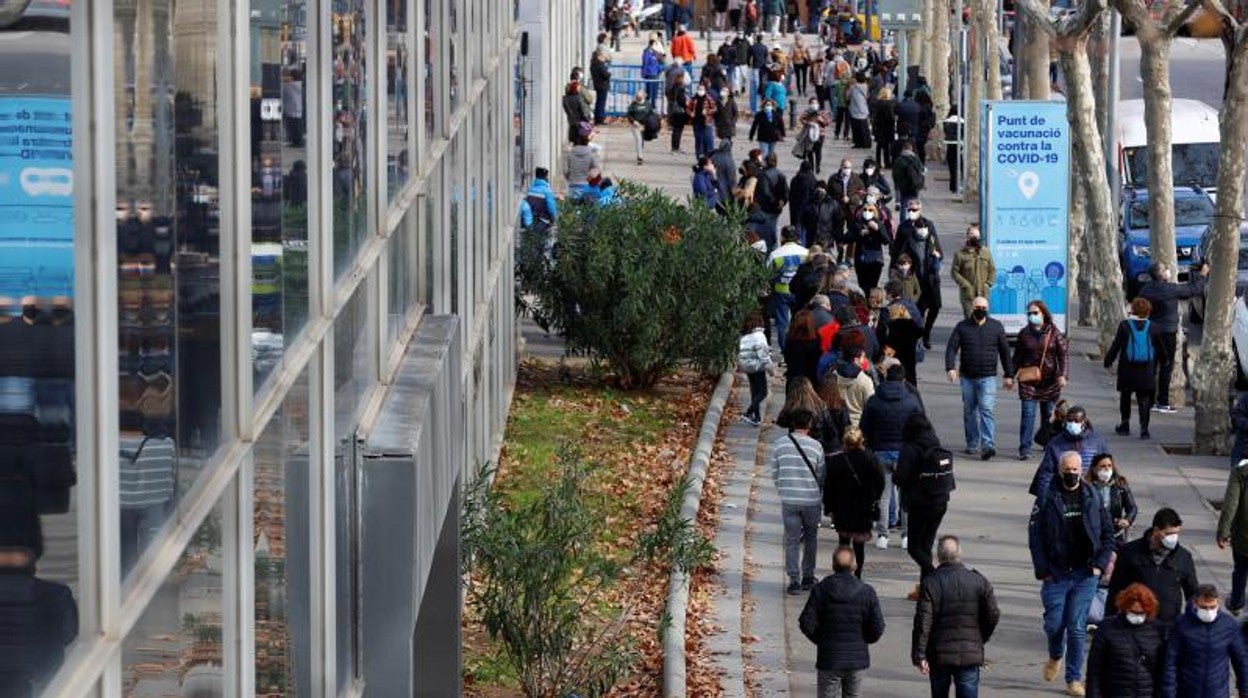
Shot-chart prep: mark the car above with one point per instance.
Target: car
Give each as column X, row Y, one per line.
column 1239, row 338
column 1193, row 212
column 1201, row 254
column 1194, row 148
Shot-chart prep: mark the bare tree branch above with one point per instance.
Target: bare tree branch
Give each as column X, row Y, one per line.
column 1081, row 22
column 1038, row 14
column 1133, row 11
column 1177, row 22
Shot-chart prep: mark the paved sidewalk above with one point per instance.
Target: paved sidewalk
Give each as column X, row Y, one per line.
column 989, row 510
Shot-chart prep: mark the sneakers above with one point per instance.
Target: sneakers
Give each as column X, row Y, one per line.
column 1074, row 688
column 750, row 420
column 1122, row 430
column 988, row 453
column 794, row 588
column 1024, row 455
column 1051, row 668
column 808, row 583
column 1233, row 610
column 905, row 541
column 1165, row 409
column 881, row 542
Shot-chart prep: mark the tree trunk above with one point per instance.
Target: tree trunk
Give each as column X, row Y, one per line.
column 925, row 63
column 975, row 93
column 1214, row 374
column 1079, row 265
column 1098, row 53
column 939, row 64
column 1102, row 238
column 1035, row 62
column 914, row 51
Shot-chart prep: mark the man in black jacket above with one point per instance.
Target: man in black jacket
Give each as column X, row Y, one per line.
column 771, row 194
column 1164, row 295
column 982, row 342
column 916, row 236
column 842, row 616
column 1159, row 562
column 883, row 420
column 956, row 616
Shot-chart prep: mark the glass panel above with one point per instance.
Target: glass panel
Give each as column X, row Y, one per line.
column 431, row 52
column 279, row 180
column 398, row 68
column 350, row 95
column 432, row 234
column 518, row 121
column 454, row 51
column 281, row 524
column 402, row 280
column 355, row 364
column 175, row 649
column 168, row 254
column 38, row 521
column 457, row 185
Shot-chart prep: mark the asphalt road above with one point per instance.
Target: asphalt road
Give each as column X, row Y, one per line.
column 1197, row 69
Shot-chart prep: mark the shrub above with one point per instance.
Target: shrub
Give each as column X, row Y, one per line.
column 645, row 284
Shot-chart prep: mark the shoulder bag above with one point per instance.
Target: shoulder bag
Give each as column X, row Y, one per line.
column 1033, row 374
column 806, row 460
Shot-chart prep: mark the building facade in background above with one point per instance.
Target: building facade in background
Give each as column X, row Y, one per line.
column 256, row 326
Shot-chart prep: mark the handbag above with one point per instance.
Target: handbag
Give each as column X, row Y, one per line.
column 805, row 460
column 1033, row 374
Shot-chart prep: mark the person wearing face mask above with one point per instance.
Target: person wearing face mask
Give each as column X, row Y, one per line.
column 801, row 191
column 706, row 184
column 981, row 343
column 1233, row 531
column 768, row 127
column 1040, row 362
column 908, row 174
column 1164, row 295
column 1135, row 348
column 884, row 123
column 677, row 109
column 815, row 124
column 1077, row 436
column 1071, row 539
column 822, row 218
column 916, row 236
column 1125, row 660
column 1158, row 561
column 726, row 116
column 724, row 168
column 973, row 270
column 1115, row 494
column 700, row 111
column 871, row 235
column 643, row 123
column 1203, row 647
column 843, row 186
column 872, row 177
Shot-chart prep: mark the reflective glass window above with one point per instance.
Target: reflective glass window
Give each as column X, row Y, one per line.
column 355, row 359
column 279, row 180
column 350, row 73
column 38, row 472
column 281, row 524
column 168, row 251
column 457, row 194
column 176, row 647
column 431, row 49
column 398, row 72
column 401, row 277
column 454, row 51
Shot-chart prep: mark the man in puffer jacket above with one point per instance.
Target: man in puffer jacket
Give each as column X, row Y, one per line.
column 883, row 419
column 854, row 384
column 842, row 616
column 1204, row 645
column 955, row 618
column 754, row 358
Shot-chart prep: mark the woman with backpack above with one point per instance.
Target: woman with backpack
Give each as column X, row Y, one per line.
column 754, row 358
column 851, row 495
column 925, row 478
column 1135, row 348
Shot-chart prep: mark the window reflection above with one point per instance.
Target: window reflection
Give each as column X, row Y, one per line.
column 431, row 52
column 350, row 98
column 280, row 527
column 279, row 180
column 175, row 648
column 168, row 253
column 401, row 277
column 38, row 523
column 453, row 52
column 398, row 67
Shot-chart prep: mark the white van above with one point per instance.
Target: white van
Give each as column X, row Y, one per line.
column 1194, row 143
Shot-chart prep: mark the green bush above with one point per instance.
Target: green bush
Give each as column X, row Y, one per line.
column 645, row 284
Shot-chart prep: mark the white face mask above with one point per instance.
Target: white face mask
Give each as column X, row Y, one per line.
column 724, row 94
column 701, row 91
column 913, row 215
column 845, row 170
column 868, row 215
column 1207, row 615
column 1136, row 618
column 1104, row 475
column 1171, row 541
column 905, row 268
column 870, row 171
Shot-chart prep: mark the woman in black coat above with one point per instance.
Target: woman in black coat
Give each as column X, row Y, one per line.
column 1126, row 656
column 855, row 483
column 884, row 123
column 801, row 350
column 1135, row 377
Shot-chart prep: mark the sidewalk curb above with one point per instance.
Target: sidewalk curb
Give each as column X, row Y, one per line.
column 678, row 586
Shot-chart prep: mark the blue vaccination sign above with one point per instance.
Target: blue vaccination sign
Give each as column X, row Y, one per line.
column 1025, row 206
column 36, row 197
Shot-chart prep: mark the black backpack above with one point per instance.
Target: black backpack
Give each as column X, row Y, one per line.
column 542, row 220
column 936, row 472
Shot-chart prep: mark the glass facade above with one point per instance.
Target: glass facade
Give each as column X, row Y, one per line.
column 237, row 234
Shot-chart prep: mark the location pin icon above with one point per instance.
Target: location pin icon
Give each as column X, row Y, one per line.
column 1028, row 184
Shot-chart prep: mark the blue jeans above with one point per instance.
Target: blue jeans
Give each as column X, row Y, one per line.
column 781, row 314
column 801, row 531
column 753, row 91
column 965, row 680
column 703, row 140
column 1027, row 425
column 1066, row 600
column 840, row 684
column 766, row 148
column 1239, row 576
column 652, row 90
column 892, row 513
column 979, row 404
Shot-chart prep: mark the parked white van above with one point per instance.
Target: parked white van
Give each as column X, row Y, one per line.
column 1194, row 143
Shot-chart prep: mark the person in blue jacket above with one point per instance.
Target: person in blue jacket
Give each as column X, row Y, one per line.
column 1071, row 539
column 706, row 184
column 539, row 201
column 652, row 71
column 1077, row 435
column 1202, row 649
